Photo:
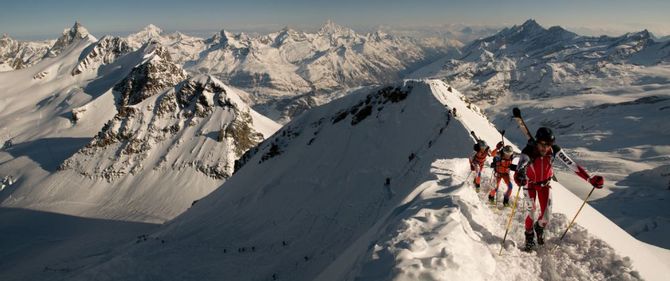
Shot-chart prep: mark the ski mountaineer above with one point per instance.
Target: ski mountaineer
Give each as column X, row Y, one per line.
column 482, row 151
column 502, row 164
column 534, row 174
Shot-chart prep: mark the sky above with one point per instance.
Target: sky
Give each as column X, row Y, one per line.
column 46, row 19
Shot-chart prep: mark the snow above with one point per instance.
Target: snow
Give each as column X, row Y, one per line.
column 322, row 211
column 35, row 244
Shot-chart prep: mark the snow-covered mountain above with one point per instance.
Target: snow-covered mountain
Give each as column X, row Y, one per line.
column 182, row 47
column 102, row 131
column 541, row 62
column 607, row 98
column 287, row 71
column 16, row 54
column 289, row 63
column 373, row 186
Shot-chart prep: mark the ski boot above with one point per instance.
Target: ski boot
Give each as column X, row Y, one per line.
column 506, row 202
column 529, row 241
column 477, row 187
column 539, row 230
column 492, row 199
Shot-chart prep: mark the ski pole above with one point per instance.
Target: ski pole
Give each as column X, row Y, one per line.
column 509, row 221
column 574, row 218
column 468, row 176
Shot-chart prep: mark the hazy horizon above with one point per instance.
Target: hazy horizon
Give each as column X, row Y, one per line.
column 37, row 20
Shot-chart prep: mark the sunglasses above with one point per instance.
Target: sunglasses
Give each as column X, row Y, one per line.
column 544, row 144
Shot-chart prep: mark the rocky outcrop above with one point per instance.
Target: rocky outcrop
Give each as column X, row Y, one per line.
column 157, row 73
column 103, row 52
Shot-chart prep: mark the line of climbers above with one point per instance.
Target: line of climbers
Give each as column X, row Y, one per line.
column 533, row 173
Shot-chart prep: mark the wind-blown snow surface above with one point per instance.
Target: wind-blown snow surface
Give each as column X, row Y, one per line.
column 312, row 203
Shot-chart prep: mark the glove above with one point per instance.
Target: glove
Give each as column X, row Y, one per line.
column 597, row 181
column 499, row 145
column 520, row 178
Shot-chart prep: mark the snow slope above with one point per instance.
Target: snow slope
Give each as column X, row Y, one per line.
column 369, row 187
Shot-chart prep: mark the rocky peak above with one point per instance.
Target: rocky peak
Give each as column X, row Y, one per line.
column 69, row 36
column 77, row 31
column 528, row 28
column 531, row 24
column 157, row 73
column 222, row 38
column 643, row 35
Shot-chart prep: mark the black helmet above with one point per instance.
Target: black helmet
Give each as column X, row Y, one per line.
column 545, row 134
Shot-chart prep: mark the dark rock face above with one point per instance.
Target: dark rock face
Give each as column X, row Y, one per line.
column 105, row 51
column 149, row 78
column 77, row 32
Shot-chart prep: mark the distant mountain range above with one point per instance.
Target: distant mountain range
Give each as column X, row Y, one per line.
column 543, row 62
column 287, row 71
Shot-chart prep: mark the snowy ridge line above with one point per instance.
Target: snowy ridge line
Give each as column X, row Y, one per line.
column 440, row 129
